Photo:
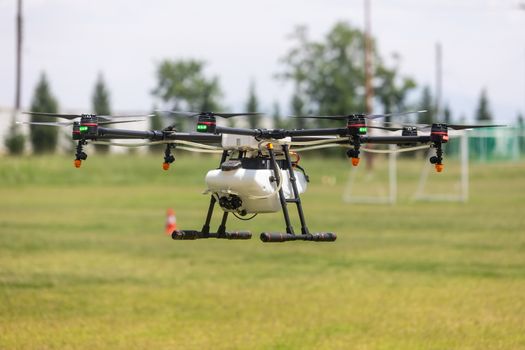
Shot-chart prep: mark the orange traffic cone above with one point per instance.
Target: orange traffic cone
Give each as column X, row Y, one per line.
column 171, row 221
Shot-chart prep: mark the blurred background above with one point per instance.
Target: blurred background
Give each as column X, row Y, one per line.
column 461, row 61
column 422, row 260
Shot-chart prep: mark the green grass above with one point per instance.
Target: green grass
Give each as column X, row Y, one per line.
column 84, row 263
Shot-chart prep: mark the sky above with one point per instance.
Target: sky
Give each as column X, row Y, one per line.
column 483, row 43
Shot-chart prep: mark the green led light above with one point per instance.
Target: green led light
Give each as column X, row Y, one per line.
column 362, row 129
column 202, row 127
column 83, row 128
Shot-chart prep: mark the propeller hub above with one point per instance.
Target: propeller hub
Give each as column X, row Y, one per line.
column 357, row 124
column 86, row 128
column 207, row 123
column 439, row 133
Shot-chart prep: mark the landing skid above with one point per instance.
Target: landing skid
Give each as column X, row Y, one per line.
column 191, row 235
column 266, row 237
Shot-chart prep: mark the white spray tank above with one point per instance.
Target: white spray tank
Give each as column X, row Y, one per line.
column 239, row 188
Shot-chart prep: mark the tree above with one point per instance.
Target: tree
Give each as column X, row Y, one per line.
column 393, row 90
column 447, row 114
column 278, row 122
column 427, row 103
column 100, row 103
column 521, row 136
column 43, row 138
column 483, row 113
column 183, row 85
column 329, row 75
column 298, row 110
column 15, row 140
column 252, row 105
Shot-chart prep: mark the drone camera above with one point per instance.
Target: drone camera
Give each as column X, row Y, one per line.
column 231, row 202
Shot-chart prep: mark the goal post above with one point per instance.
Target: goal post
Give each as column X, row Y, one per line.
column 461, row 184
column 383, row 195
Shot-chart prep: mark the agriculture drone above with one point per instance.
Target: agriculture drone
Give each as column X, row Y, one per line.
column 259, row 170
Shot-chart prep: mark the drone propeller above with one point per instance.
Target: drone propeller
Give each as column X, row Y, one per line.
column 47, row 123
column 367, row 116
column 210, row 114
column 57, row 115
column 75, row 116
column 104, row 122
column 399, row 114
column 427, row 127
column 466, row 127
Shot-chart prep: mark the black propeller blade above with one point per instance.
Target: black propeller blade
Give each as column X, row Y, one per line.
column 427, row 127
column 75, row 116
column 48, row 123
column 111, row 117
column 72, row 122
column 57, row 115
column 211, row 114
column 369, row 116
column 463, row 127
column 375, row 116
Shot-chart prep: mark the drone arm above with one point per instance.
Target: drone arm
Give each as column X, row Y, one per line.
column 195, row 137
column 156, row 135
column 280, row 133
column 107, row 133
column 237, row 131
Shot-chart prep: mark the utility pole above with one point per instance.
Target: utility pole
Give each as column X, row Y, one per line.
column 439, row 81
column 18, row 56
column 521, row 6
column 369, row 92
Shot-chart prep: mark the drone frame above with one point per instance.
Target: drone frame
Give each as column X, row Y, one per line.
column 209, row 133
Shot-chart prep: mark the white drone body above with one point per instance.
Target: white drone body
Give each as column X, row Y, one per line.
column 248, row 185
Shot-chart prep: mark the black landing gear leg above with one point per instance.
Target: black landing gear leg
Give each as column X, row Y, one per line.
column 290, row 235
column 205, row 231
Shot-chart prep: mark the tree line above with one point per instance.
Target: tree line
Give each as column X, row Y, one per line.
column 327, row 77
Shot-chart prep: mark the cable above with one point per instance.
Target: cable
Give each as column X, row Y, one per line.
column 206, row 149
column 199, row 150
column 400, row 150
column 243, row 219
column 279, row 186
column 319, row 142
column 369, row 150
column 301, row 149
column 140, row 144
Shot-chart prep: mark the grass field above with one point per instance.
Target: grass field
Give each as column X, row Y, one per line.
column 84, row 263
